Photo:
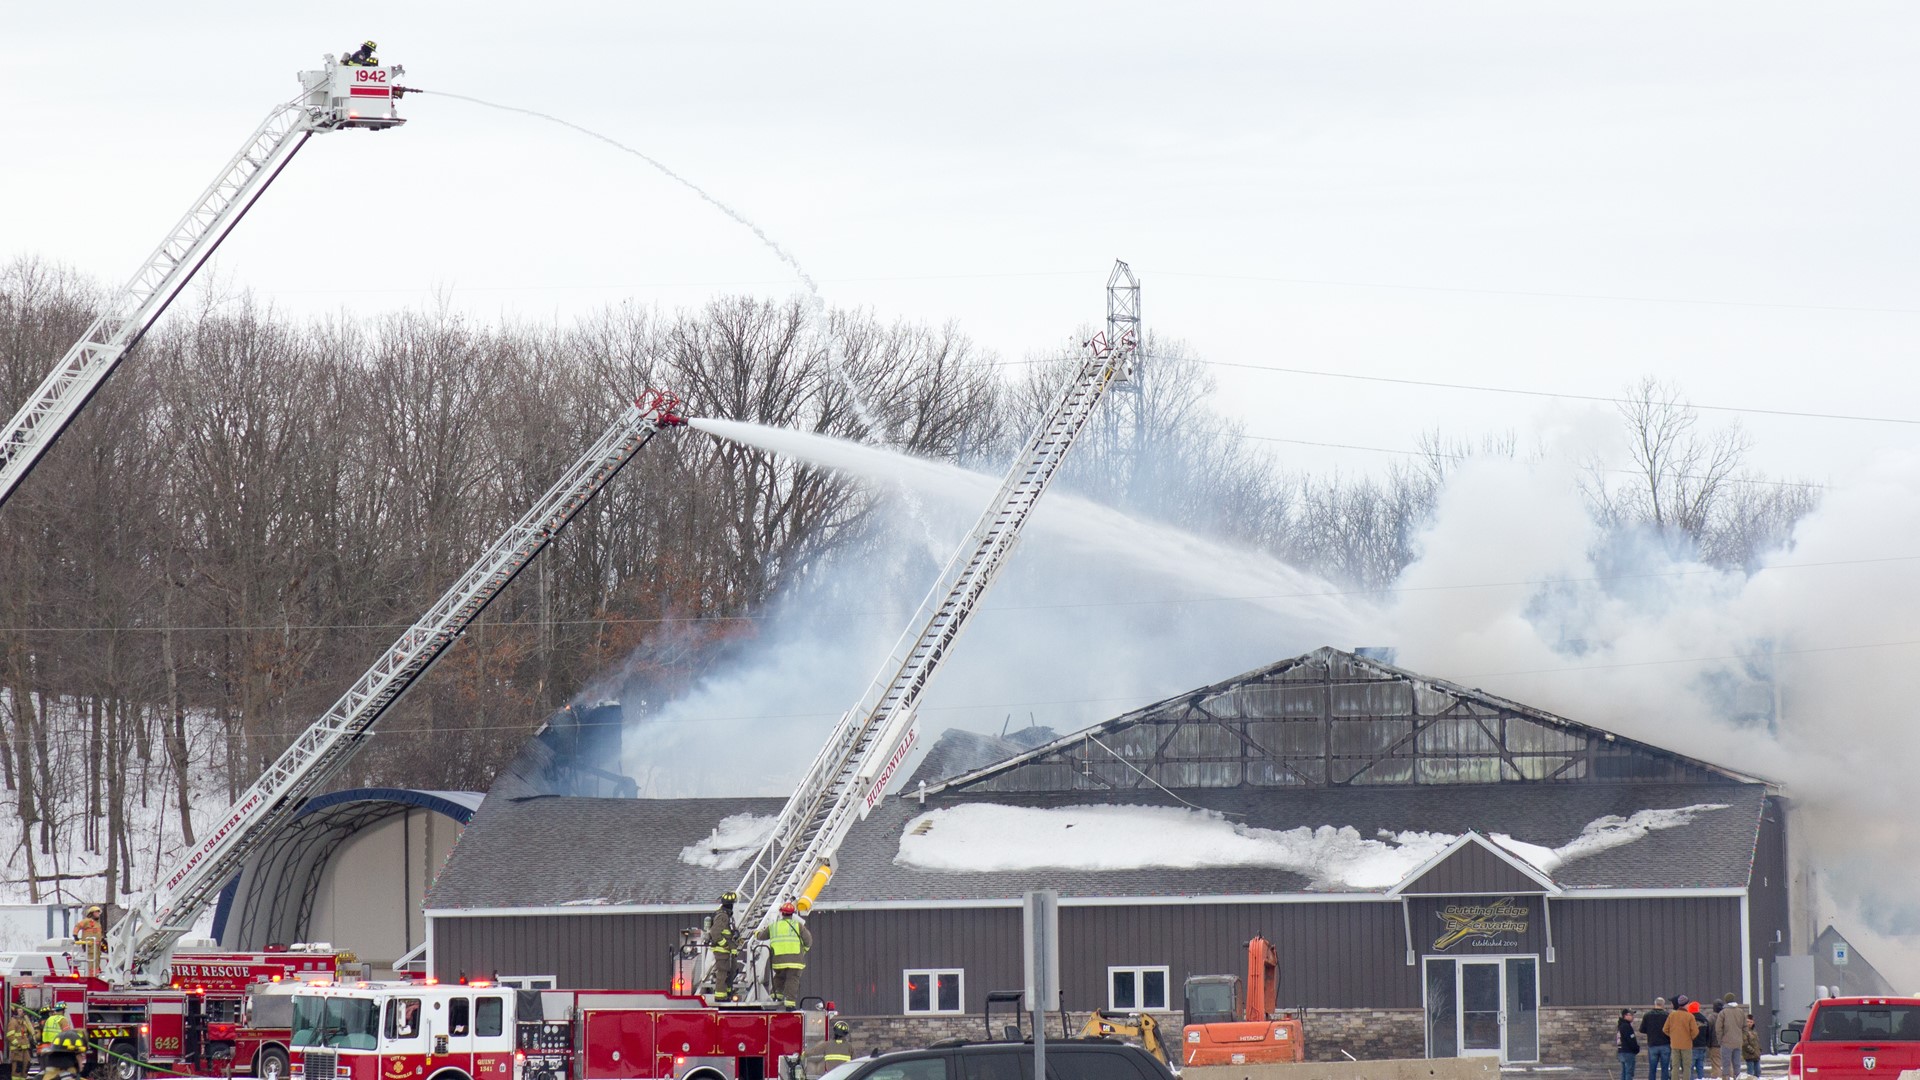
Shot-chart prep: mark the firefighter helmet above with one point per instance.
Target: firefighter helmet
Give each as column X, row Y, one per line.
column 841, row 1029
column 787, row 908
column 729, row 897
column 370, row 46
column 72, row 1041
column 93, row 911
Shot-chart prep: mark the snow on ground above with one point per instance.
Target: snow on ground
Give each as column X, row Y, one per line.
column 983, row 837
column 153, row 814
column 731, row 843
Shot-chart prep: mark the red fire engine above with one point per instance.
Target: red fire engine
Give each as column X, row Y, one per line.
column 223, row 1013
column 479, row 1031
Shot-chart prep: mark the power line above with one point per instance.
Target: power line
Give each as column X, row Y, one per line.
column 1464, row 457
column 1618, row 297
column 894, row 613
column 1432, row 384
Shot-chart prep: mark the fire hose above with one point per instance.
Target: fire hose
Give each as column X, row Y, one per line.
column 148, row 1066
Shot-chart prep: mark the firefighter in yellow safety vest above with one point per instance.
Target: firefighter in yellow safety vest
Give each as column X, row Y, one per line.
column 789, row 942
column 63, row 1051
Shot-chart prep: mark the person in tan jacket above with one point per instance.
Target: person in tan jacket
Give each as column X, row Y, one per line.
column 1682, row 1028
column 1730, row 1025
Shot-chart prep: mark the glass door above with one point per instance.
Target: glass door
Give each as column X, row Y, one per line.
column 1481, row 1019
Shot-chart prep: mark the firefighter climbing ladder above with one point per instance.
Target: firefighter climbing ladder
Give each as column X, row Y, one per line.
column 850, row 774
column 331, row 99
column 145, row 937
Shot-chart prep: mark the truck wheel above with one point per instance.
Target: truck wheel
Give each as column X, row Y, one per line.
column 271, row 1064
column 122, row 1065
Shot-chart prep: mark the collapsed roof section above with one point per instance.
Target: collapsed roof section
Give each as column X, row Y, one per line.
column 1332, row 719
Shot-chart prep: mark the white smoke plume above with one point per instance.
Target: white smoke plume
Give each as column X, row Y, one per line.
column 1799, row 670
column 1518, row 591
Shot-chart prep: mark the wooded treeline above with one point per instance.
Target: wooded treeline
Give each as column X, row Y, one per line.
column 254, row 506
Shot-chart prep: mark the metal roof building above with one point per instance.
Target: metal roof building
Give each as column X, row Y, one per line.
column 1441, row 870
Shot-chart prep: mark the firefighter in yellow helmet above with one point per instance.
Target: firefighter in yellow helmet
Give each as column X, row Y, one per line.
column 362, row 56
column 723, row 939
column 19, row 1043
column 90, row 934
column 789, row 942
column 63, row 1055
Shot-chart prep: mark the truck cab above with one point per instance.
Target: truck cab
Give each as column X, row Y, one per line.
column 1855, row 1038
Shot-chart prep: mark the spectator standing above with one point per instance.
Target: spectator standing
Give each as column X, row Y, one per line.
column 1730, row 1030
column 1659, row 1050
column 1703, row 1037
column 1750, row 1048
column 1682, row 1029
column 1627, row 1042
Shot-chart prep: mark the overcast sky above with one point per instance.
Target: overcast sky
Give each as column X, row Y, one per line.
column 1382, row 189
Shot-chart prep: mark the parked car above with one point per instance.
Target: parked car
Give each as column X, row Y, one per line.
column 1071, row 1059
column 1857, row 1038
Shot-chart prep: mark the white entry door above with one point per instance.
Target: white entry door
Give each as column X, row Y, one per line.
column 1483, row 1021
column 1483, row 1007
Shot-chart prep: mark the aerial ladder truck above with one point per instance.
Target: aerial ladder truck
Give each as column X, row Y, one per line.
column 335, row 97
column 139, row 1014
column 849, row 776
column 144, row 938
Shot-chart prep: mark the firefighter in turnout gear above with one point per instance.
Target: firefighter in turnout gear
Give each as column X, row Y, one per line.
column 19, row 1044
column 54, row 1023
column 362, row 56
column 789, row 942
column 723, row 939
column 829, row 1053
column 91, row 935
column 63, row 1055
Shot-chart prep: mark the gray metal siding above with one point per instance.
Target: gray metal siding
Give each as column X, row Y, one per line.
column 1628, row 952
column 860, row 957
column 1332, row 955
column 584, row 951
column 1768, row 913
column 1473, row 869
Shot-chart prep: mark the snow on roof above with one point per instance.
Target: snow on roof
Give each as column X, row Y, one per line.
column 988, row 837
column 731, row 843
column 1602, row 833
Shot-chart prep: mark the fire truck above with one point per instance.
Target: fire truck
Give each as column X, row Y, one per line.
column 222, row 1012
column 479, row 1031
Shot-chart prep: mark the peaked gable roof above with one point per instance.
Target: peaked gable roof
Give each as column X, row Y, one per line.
column 1333, row 719
column 1474, row 865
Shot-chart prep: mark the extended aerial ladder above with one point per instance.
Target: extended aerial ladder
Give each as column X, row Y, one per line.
column 145, row 936
column 333, row 98
column 851, row 773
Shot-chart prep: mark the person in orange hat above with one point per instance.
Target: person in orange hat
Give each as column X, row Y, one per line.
column 1681, row 1029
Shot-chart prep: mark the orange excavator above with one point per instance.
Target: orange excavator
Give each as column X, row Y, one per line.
column 1226, row 1027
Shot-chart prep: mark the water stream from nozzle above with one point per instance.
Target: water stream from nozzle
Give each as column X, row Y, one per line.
column 1214, row 571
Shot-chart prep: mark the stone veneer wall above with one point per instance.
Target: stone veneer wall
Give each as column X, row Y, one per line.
column 1567, row 1035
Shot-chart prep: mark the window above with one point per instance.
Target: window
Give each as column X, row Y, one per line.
column 930, row 1068
column 934, row 991
column 334, row 1021
column 526, row 982
column 403, row 1018
column 997, row 1066
column 489, row 1017
column 457, row 1010
column 1136, row 988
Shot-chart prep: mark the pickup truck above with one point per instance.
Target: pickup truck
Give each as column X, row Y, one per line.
column 1858, row 1038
